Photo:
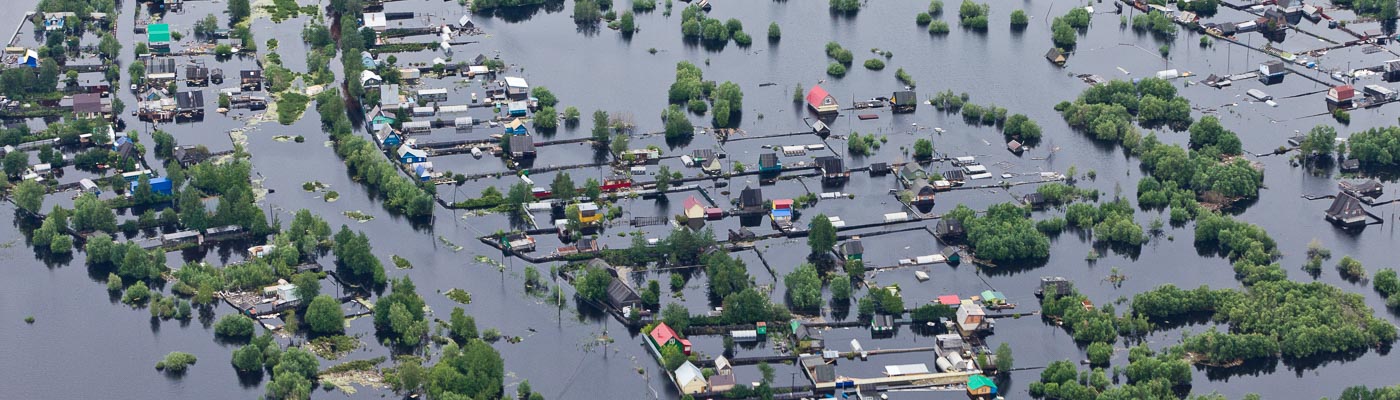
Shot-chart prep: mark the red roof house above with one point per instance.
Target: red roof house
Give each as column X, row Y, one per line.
column 949, row 300
column 662, row 336
column 693, row 209
column 1341, row 94
column 821, row 101
column 782, row 204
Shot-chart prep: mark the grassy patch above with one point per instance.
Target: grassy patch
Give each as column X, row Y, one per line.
column 459, row 295
column 401, row 262
column 290, row 106
column 358, row 216
column 334, row 347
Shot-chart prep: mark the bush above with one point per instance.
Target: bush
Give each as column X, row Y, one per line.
column 234, row 326
column 774, row 32
column 923, row 19
column 1100, row 353
column 836, row 70
column 1019, row 19
column 176, row 362
column 938, row 28
column 1350, row 268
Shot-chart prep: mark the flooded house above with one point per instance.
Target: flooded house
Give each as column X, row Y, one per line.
column 852, row 250
column 517, row 88
column 409, row 155
column 768, row 163
column 781, row 213
column 158, row 71
column 751, row 200
column 1350, row 165
column 833, row 169
column 196, row 75
column 1035, row 200
column 980, row 387
column 251, row 80
column 949, row 228
column 1056, row 56
column 91, row 105
column 972, row 318
column 1346, row 211
column 1340, row 96
column 904, row 101
column 388, row 137
column 821, row 102
column 1272, row 72
column 923, row 193
column 689, row 379
column 158, row 38
column 432, row 95
column 522, row 147
column 1370, row 188
column 723, row 378
column 663, row 336
column 190, row 104
column 1054, row 286
column 516, row 127
column 1391, row 71
column 518, row 242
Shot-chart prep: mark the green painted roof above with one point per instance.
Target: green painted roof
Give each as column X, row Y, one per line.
column 980, row 381
column 158, row 33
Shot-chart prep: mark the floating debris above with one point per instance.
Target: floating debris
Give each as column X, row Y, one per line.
column 358, row 216
column 450, row 245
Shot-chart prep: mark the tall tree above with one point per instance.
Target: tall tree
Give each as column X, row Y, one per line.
column 822, row 235
column 323, row 316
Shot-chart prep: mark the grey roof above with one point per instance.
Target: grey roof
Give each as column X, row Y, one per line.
column 252, row 74
column 87, row 103
column 189, row 100
column 852, row 247
column 1370, row 186
column 704, row 154
column 689, row 372
column 751, row 197
column 831, row 164
column 599, row 263
column 949, row 227
column 905, row 97
column 620, row 295
column 953, row 175
column 196, row 72
column 824, row 373
column 1345, row 207
column 879, row 167
column 1035, row 198
column 767, row 160
column 523, row 144
column 1272, row 67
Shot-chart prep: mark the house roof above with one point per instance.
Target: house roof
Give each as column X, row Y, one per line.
column 852, row 247
column 522, row 144
column 722, row 363
column 824, row 373
column 691, row 203
column 782, row 203
column 1362, row 187
column 751, row 197
column 1054, row 54
column 1272, row 67
column 1345, row 206
column 516, row 82
column 621, row 295
column 190, row 99
column 1342, row 92
column 831, row 164
column 949, row 300
column 905, row 97
column 979, row 381
column 87, row 103
column 196, row 72
column 688, row 373
column 817, row 97
column 250, row 74
column 405, row 150
column 663, row 333
column 721, row 380
column 158, row 33
column 767, row 160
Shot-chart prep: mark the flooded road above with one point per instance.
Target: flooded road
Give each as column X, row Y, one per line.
column 86, row 345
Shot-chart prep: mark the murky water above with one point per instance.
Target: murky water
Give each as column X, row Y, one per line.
column 82, row 335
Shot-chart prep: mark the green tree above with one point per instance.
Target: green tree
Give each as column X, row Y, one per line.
column 1062, row 34
column 91, row 214
column 1004, row 361
column 29, row 196
column 678, row 127
column 594, row 284
column 841, row 289
column 1099, row 353
column 676, row 316
column 774, row 32
column 1019, row 19
column 238, row 10
column 563, row 187
column 923, row 149
column 804, row 287
column 323, row 316
column 821, row 236
column 15, row 163
column 176, row 362
column 400, row 315
column 462, row 326
column 248, row 358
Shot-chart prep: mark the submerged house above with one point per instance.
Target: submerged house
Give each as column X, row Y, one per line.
column 516, row 127
column 852, row 249
column 768, row 163
column 662, row 336
column 622, row 297
column 1371, row 188
column 692, row 208
column 522, row 147
column 196, row 75
column 1054, row 286
column 158, row 37
column 923, row 193
column 252, row 80
column 1346, row 211
column 904, row 101
column 1271, row 72
column 820, row 101
column 833, row 168
column 190, row 104
column 1056, row 56
column 409, row 155
column 751, row 199
column 689, row 379
column 1341, row 95
column 1391, row 71
column 980, row 387
column 949, row 228
column 971, row 317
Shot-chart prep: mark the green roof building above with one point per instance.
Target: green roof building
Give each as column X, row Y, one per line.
column 981, row 387
column 158, row 34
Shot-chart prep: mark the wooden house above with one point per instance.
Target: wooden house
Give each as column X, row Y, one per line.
column 821, row 102
column 1346, row 211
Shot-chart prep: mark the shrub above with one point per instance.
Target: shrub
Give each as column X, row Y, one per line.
column 938, row 28
column 836, row 70
column 875, row 64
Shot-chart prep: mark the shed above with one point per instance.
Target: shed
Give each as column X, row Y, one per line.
column 1371, row 188
column 882, row 323
column 722, row 382
column 821, row 101
column 621, row 296
column 1351, row 165
column 1340, row 95
column 949, row 228
column 88, row 186
column 853, row 249
column 1035, row 200
column 517, row 108
column 906, row 369
column 522, row 146
column 980, row 387
column 376, row 21
column 879, row 168
column 160, row 186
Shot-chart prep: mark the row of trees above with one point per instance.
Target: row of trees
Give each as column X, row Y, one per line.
column 1004, row 234
column 367, row 163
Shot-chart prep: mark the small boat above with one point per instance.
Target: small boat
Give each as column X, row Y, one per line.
column 867, row 116
column 476, row 152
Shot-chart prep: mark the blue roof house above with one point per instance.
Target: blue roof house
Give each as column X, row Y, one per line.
column 161, row 186
column 409, row 155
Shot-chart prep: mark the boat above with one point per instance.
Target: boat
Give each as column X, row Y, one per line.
column 867, row 116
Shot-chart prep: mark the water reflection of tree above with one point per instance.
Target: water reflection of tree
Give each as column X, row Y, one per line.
column 522, row 13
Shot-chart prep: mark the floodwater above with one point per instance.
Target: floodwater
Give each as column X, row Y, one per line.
column 81, row 335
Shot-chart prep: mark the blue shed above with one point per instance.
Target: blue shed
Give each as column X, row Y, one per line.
column 518, row 108
column 161, row 186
